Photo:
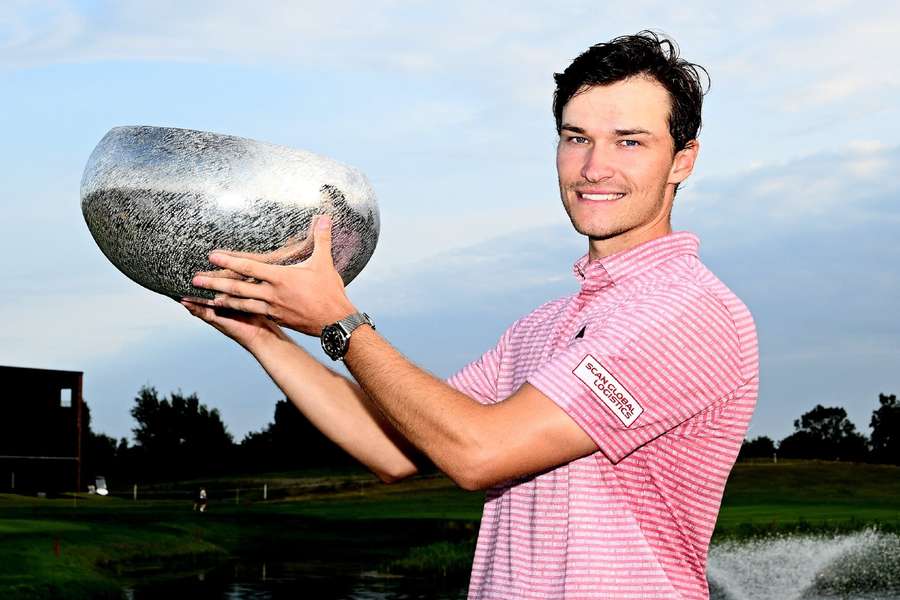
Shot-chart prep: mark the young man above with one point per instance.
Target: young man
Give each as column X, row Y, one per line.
column 603, row 425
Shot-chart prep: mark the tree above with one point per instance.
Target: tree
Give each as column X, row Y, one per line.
column 825, row 433
column 885, row 426
column 759, row 447
column 290, row 442
column 178, row 436
column 98, row 451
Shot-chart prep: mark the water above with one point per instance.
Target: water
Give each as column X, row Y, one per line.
column 857, row 566
column 295, row 580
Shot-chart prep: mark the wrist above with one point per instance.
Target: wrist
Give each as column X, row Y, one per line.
column 266, row 339
column 336, row 337
column 342, row 311
column 364, row 335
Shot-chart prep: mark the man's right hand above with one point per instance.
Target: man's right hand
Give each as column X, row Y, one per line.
column 246, row 329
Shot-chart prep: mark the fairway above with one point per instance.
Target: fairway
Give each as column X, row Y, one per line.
column 810, row 494
column 90, row 546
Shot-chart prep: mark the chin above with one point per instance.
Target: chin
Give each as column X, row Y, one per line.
column 596, row 232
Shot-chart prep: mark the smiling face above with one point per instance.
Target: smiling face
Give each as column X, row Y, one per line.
column 617, row 166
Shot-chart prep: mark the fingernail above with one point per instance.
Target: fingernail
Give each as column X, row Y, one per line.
column 323, row 223
column 198, row 281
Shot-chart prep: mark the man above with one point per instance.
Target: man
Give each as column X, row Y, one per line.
column 603, row 425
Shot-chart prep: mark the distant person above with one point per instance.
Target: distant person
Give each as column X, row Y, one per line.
column 603, row 425
column 200, row 502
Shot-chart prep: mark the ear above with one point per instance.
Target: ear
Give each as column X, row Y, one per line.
column 683, row 164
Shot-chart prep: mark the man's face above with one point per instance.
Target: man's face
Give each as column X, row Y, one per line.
column 615, row 162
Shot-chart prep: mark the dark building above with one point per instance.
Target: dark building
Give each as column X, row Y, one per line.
column 40, row 430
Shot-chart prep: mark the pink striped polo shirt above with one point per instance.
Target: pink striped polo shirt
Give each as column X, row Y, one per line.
column 656, row 359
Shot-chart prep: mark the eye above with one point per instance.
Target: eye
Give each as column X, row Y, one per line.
column 629, row 143
column 577, row 139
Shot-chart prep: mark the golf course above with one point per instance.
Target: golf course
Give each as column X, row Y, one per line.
column 340, row 526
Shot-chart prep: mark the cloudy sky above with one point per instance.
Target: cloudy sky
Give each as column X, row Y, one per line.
column 446, row 108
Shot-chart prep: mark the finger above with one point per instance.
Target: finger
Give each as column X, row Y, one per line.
column 293, row 251
column 200, row 311
column 256, row 307
column 196, row 300
column 244, row 266
column 226, row 273
column 233, row 287
column 238, row 254
column 208, row 315
column 322, row 240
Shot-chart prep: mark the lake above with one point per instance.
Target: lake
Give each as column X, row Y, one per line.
column 856, row 566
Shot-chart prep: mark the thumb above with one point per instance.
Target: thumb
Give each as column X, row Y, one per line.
column 322, row 239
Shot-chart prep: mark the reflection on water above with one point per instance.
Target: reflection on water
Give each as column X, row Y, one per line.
column 859, row 566
column 283, row 580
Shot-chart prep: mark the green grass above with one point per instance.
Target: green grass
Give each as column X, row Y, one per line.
column 48, row 548
column 451, row 560
column 809, row 495
column 87, row 547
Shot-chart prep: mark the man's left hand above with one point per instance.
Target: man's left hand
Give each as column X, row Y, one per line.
column 305, row 297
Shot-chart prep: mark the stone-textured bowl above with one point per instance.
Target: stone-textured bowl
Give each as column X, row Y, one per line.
column 157, row 200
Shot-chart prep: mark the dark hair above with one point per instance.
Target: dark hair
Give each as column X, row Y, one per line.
column 642, row 54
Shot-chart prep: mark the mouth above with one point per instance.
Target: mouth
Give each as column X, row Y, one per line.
column 600, row 196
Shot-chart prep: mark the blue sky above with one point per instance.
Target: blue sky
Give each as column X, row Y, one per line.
column 447, row 110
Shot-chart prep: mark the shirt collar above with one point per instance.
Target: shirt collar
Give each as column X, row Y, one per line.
column 615, row 268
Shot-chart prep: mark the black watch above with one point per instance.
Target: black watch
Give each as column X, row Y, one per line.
column 336, row 337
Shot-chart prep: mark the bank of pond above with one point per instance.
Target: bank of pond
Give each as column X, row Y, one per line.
column 785, row 530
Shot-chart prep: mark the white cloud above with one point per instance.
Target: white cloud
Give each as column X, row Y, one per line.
column 820, row 191
column 788, row 61
column 193, row 31
column 868, row 168
column 38, row 29
column 67, row 329
column 833, row 54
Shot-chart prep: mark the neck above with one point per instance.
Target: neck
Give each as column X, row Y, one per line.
column 599, row 248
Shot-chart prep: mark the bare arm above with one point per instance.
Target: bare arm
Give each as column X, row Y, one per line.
column 476, row 445
column 331, row 402
column 338, row 408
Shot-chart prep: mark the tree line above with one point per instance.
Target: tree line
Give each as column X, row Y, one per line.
column 825, row 433
column 178, row 437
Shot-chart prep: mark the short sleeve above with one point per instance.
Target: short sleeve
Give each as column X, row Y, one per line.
column 478, row 379
column 650, row 366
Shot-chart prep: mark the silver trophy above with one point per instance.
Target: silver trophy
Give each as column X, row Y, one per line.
column 158, row 200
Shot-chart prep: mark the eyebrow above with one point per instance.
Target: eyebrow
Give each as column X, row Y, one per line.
column 571, row 128
column 617, row 132
column 636, row 131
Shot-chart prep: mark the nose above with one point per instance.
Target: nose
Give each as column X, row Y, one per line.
column 597, row 165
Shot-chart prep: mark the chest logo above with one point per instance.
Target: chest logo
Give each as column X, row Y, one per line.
column 608, row 390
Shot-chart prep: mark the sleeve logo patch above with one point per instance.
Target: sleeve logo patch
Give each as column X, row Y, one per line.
column 608, row 390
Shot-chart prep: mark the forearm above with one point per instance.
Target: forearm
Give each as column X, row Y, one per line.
column 443, row 423
column 338, row 407
column 476, row 445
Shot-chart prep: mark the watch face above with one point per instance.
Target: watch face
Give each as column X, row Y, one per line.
column 334, row 341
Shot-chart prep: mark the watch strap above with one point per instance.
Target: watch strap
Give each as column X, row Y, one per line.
column 355, row 320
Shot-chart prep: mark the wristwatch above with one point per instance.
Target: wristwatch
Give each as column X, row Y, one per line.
column 336, row 337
